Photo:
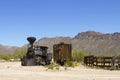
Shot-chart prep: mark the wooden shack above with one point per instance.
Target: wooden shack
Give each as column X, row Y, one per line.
column 62, row 51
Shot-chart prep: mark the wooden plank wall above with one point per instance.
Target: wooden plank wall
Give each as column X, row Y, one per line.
column 62, row 51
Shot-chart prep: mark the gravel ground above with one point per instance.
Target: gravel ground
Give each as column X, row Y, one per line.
column 14, row 71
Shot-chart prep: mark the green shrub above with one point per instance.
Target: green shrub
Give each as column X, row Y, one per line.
column 17, row 54
column 69, row 64
column 6, row 57
column 78, row 55
column 53, row 66
column 76, row 63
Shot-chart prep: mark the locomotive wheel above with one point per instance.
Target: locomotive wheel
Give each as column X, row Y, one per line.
column 38, row 59
column 23, row 61
column 28, row 61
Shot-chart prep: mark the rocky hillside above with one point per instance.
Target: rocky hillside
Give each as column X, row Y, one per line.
column 7, row 49
column 97, row 36
column 90, row 42
column 51, row 41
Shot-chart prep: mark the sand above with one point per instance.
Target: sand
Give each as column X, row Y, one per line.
column 14, row 71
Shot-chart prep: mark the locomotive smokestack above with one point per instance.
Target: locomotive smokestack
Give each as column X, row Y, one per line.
column 31, row 40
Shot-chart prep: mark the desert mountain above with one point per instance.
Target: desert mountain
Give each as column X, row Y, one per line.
column 7, row 49
column 90, row 42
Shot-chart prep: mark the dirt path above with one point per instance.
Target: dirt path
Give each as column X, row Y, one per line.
column 14, row 71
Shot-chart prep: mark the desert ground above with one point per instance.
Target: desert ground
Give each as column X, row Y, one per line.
column 14, row 71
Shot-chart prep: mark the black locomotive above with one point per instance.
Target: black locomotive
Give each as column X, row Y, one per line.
column 36, row 55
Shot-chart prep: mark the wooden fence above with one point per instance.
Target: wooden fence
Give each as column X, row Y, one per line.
column 101, row 61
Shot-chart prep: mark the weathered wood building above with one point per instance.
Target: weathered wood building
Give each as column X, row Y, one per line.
column 62, row 52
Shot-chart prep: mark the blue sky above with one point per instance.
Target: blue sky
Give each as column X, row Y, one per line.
column 49, row 18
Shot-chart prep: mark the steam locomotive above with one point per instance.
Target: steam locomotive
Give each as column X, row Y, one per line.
column 36, row 55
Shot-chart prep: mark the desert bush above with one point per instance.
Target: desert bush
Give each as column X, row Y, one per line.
column 6, row 57
column 69, row 64
column 17, row 54
column 117, row 55
column 76, row 63
column 78, row 55
column 53, row 66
